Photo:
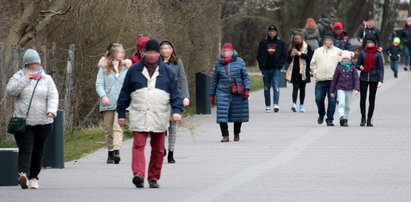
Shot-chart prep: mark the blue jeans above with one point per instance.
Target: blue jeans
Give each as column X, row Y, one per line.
column 344, row 102
column 271, row 78
column 322, row 89
column 394, row 66
column 407, row 55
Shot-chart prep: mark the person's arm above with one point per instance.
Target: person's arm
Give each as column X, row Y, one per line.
column 380, row 68
column 216, row 78
column 100, row 83
column 313, row 63
column 244, row 76
column 260, row 55
column 182, row 79
column 360, row 33
column 360, row 61
column 17, row 83
column 289, row 58
column 356, row 80
column 348, row 45
column 124, row 98
column 175, row 98
column 335, row 80
column 283, row 56
column 377, row 36
column 52, row 97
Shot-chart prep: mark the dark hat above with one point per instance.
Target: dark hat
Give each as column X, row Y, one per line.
column 152, row 45
column 272, row 27
column 329, row 36
column 370, row 38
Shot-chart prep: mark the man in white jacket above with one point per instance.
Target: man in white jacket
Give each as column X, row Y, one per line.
column 323, row 64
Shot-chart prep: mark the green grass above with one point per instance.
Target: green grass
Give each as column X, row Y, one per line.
column 253, row 69
column 189, row 111
column 256, row 83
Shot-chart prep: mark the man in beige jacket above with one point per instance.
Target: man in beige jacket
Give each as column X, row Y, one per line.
column 323, row 64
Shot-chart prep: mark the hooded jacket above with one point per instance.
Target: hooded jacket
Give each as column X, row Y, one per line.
column 272, row 53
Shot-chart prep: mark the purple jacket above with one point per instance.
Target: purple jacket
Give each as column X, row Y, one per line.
column 344, row 80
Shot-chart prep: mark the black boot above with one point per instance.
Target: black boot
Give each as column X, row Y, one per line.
column 110, row 157
column 170, row 157
column 369, row 124
column 116, row 156
column 342, row 121
column 363, row 121
column 345, row 122
column 320, row 120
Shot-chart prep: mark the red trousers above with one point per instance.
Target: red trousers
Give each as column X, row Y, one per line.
column 138, row 163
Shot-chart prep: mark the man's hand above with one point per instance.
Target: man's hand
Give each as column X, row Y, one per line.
column 51, row 115
column 176, row 117
column 332, row 95
column 105, row 101
column 186, row 102
column 356, row 92
column 379, row 84
column 122, row 122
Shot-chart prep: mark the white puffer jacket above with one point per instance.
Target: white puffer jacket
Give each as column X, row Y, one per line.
column 45, row 99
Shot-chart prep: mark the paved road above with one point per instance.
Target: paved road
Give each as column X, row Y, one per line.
column 282, row 157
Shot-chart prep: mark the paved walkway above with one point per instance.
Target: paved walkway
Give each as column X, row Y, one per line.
column 281, row 157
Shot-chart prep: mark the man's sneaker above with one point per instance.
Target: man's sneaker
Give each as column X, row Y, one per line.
column 138, row 181
column 302, row 110
column 294, row 107
column 330, row 123
column 34, row 184
column 23, row 181
column 405, row 68
column 276, row 108
column 268, row 109
column 154, row 184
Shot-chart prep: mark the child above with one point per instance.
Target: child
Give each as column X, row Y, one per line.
column 345, row 81
column 394, row 51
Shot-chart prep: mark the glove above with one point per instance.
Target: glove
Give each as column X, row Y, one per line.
column 212, row 99
column 246, row 94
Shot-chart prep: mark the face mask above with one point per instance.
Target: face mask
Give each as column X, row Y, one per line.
column 38, row 73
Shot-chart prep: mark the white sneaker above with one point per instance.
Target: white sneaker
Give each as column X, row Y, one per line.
column 276, row 108
column 268, row 109
column 23, row 181
column 34, row 183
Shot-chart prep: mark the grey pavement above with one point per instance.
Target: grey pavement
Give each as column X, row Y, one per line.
column 282, row 156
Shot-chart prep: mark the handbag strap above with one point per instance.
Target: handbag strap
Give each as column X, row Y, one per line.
column 226, row 73
column 31, row 99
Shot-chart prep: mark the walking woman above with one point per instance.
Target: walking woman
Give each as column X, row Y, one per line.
column 311, row 34
column 230, row 91
column 372, row 76
column 36, row 99
column 298, row 73
column 110, row 78
column 169, row 56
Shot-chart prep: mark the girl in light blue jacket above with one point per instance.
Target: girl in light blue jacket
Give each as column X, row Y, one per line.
column 112, row 71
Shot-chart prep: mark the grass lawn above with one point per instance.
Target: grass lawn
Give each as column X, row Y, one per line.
column 253, row 69
column 256, row 83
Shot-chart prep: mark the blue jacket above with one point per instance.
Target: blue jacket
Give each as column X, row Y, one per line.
column 230, row 107
column 109, row 85
column 376, row 74
column 394, row 51
column 151, row 100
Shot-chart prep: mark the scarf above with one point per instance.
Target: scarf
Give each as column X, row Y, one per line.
column 369, row 59
column 151, row 67
column 346, row 65
column 226, row 60
column 38, row 74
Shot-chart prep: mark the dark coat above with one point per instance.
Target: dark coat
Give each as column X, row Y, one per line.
column 296, row 76
column 394, row 51
column 365, row 33
column 345, row 80
column 406, row 35
column 343, row 42
column 376, row 74
column 230, row 107
column 280, row 55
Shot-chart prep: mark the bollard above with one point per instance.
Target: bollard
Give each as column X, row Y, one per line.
column 54, row 151
column 203, row 105
column 282, row 83
column 8, row 167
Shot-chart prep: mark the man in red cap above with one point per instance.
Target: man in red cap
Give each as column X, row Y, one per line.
column 341, row 37
column 136, row 57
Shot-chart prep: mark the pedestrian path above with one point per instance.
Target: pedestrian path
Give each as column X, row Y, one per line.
column 282, row 156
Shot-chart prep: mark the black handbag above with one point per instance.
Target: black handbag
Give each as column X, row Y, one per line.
column 18, row 124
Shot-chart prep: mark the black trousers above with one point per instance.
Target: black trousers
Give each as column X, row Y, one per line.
column 31, row 145
column 301, row 87
column 224, row 128
column 371, row 99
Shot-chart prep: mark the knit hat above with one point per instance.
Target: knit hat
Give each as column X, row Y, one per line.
column 152, row 45
column 371, row 38
column 338, row 25
column 329, row 36
column 141, row 42
column 227, row 46
column 346, row 54
column 31, row 57
column 272, row 27
column 397, row 40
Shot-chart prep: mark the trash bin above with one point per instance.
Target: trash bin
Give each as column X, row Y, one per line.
column 54, row 151
column 8, row 166
column 282, row 83
column 203, row 105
